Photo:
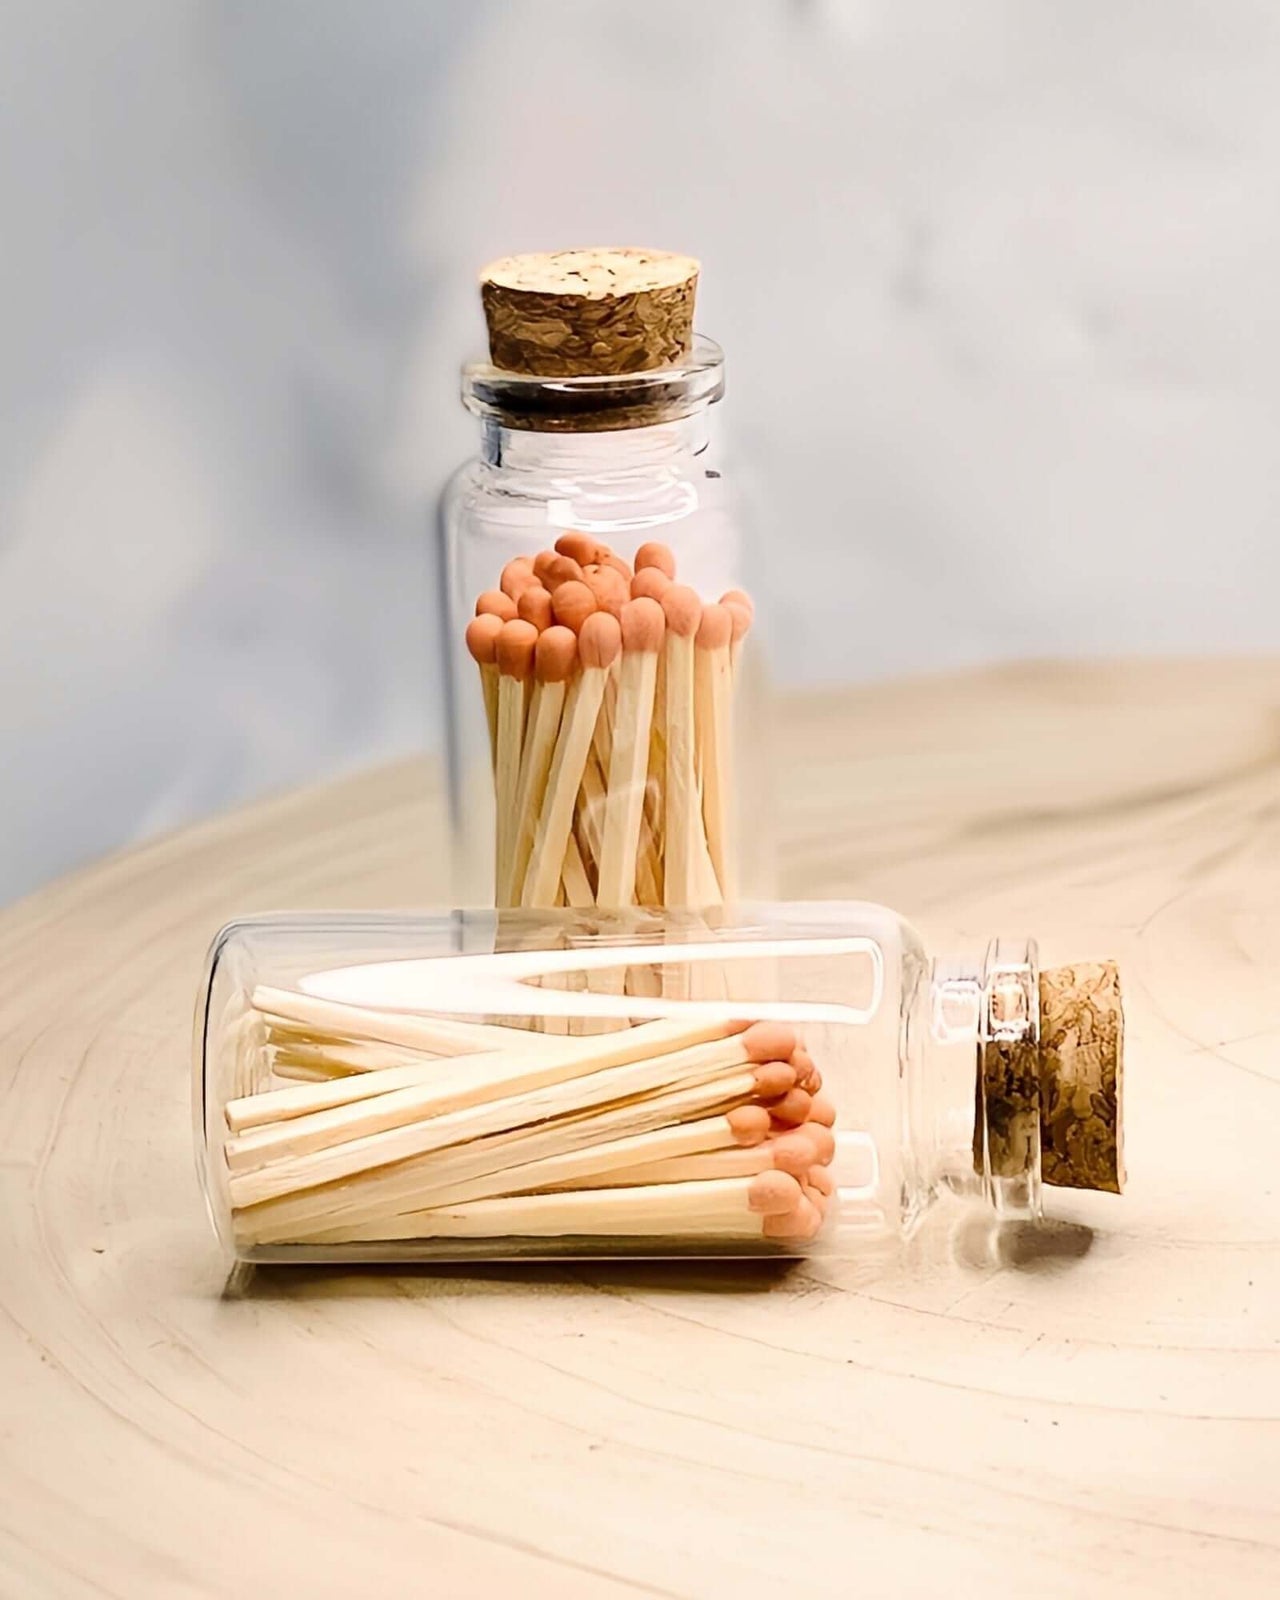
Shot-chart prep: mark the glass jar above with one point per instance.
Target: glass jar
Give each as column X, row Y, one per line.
column 605, row 763
column 480, row 1085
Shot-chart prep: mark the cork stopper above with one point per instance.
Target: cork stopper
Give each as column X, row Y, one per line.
column 589, row 313
column 1081, row 1077
column 1054, row 1101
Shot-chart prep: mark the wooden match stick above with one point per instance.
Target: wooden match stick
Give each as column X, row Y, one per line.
column 333, row 1019
column 435, row 1175
column 713, row 690
column 639, row 1042
column 643, row 626
column 482, row 644
column 573, row 878
column 727, row 1208
column 516, row 645
column 555, row 657
column 683, row 612
column 793, row 1152
column 591, row 1167
column 281, row 1105
column 599, row 644
column 468, row 1104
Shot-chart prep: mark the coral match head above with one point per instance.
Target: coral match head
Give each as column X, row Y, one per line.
column 770, row 1041
column 561, row 569
column 600, row 640
column 541, row 562
column 611, row 589
column 482, row 638
column 643, row 624
column 657, row 557
column 683, row 610
column 494, row 603
column 715, row 630
column 774, row 1194
column 579, row 547
column 649, row 584
column 534, row 605
column 555, row 655
column 739, row 597
column 740, row 618
column 516, row 645
column 572, row 604
column 749, row 1125
column 517, row 575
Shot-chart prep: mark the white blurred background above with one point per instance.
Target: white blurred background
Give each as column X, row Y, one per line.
column 997, row 283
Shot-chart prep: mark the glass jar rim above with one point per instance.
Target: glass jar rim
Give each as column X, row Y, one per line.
column 596, row 403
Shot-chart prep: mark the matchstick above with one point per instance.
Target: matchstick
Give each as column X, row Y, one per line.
column 726, row 1208
column 498, row 1045
column 305, row 1151
column 643, row 626
column 599, row 644
column 713, row 688
column 281, row 1105
column 555, row 657
column 796, row 1152
column 516, row 645
column 439, row 1036
column 482, row 643
column 573, row 878
column 591, row 1167
column 683, row 612
column 436, row 1175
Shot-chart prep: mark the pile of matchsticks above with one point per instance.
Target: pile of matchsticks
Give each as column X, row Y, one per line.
column 406, row 1127
column 609, row 696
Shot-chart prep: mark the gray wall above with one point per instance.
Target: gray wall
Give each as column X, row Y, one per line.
column 997, row 281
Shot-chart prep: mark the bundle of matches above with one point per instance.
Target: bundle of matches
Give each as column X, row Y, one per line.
column 608, row 694
column 700, row 1130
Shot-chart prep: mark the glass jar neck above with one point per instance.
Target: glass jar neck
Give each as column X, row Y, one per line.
column 980, row 1104
column 611, row 404
column 519, row 449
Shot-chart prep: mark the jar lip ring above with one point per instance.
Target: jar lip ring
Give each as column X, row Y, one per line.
column 611, row 400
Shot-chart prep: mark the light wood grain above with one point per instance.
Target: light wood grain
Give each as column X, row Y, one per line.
column 1093, row 1412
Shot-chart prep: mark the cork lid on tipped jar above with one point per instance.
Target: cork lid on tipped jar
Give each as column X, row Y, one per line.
column 1082, row 1076
column 589, row 313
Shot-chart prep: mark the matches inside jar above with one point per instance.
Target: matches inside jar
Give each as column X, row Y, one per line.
column 371, row 1126
column 608, row 691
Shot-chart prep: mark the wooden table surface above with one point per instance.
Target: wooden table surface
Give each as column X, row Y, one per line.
column 1093, row 1413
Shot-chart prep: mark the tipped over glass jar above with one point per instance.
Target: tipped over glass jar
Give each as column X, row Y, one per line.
column 603, row 642
column 800, row 1080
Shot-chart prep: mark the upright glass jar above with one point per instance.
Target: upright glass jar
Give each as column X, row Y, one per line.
column 604, row 646
column 801, row 1081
